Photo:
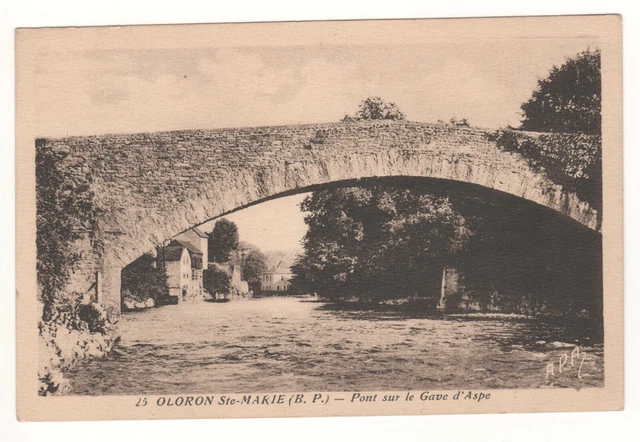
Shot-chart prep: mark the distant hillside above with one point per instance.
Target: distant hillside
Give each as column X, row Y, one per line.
column 287, row 257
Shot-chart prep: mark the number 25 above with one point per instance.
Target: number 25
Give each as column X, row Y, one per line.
column 142, row 402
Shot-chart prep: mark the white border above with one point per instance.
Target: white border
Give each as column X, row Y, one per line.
column 527, row 427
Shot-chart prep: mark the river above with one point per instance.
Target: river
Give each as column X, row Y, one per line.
column 293, row 344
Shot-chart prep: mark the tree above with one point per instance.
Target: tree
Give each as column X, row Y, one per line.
column 378, row 242
column 216, row 281
column 143, row 279
column 255, row 263
column 223, row 240
column 568, row 100
column 375, row 108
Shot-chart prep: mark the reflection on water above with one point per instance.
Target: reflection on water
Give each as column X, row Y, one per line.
column 289, row 344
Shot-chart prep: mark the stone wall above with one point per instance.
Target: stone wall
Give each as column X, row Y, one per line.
column 151, row 187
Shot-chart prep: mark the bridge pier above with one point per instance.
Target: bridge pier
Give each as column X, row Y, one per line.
column 109, row 285
column 97, row 276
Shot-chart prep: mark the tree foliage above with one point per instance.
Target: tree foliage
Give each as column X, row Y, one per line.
column 377, row 243
column 216, row 281
column 145, row 278
column 223, row 240
column 375, row 108
column 568, row 100
column 255, row 263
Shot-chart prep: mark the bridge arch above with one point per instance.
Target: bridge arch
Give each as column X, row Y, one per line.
column 150, row 187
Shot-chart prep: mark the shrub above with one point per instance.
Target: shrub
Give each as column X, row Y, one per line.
column 375, row 108
column 145, row 278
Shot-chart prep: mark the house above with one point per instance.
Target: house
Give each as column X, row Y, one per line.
column 177, row 263
column 276, row 279
column 186, row 249
column 199, row 240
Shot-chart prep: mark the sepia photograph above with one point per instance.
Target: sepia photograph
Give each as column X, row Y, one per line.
column 224, row 214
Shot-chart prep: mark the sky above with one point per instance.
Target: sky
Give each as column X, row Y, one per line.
column 91, row 92
column 276, row 225
column 96, row 91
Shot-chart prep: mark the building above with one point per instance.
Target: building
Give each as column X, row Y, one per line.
column 190, row 249
column 178, row 267
column 276, row 279
column 199, row 240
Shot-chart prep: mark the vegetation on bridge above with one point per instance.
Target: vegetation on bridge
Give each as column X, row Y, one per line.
column 566, row 107
column 65, row 213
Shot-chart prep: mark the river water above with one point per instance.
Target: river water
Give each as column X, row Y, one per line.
column 294, row 344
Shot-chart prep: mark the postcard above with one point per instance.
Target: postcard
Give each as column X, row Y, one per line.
column 393, row 217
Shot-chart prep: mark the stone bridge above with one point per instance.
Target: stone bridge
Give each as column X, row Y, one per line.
column 151, row 187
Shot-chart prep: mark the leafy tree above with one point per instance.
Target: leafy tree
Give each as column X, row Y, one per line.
column 223, row 240
column 144, row 278
column 378, row 242
column 375, row 108
column 216, row 281
column 568, row 100
column 255, row 263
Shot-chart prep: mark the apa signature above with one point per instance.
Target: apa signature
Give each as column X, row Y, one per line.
column 575, row 357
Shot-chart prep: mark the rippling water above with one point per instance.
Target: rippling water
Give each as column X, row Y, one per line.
column 291, row 344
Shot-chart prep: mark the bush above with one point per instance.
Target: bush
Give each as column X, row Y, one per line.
column 78, row 329
column 375, row 108
column 145, row 278
column 76, row 312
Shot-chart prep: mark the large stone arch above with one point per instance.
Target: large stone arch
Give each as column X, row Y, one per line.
column 150, row 187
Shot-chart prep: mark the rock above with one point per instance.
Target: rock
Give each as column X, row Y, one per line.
column 558, row 344
column 139, row 305
column 94, row 350
column 541, row 342
column 59, row 384
column 149, row 303
column 129, row 303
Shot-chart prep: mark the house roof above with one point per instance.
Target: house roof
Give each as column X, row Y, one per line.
column 173, row 253
column 187, row 245
column 200, row 233
column 277, row 270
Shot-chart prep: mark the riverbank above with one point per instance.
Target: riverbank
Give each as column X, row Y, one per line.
column 81, row 332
